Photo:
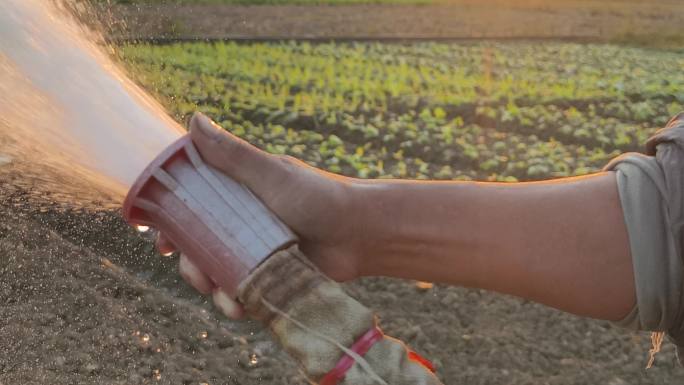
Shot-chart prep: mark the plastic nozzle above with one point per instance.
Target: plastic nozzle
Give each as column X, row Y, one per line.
column 216, row 222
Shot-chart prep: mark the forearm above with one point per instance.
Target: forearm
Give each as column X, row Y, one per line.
column 562, row 243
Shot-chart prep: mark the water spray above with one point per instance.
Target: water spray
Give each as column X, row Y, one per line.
column 247, row 251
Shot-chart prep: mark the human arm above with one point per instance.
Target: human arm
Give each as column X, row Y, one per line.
column 561, row 242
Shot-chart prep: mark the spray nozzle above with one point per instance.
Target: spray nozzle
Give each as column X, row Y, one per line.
column 215, row 221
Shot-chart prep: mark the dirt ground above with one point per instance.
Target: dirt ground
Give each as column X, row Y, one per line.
column 86, row 300
column 612, row 19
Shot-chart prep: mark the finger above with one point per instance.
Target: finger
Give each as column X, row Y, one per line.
column 192, row 275
column 164, row 245
column 228, row 306
column 238, row 159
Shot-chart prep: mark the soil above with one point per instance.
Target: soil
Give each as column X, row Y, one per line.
column 459, row 19
column 84, row 299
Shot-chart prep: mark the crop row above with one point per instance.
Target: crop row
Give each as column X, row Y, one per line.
column 476, row 153
column 483, row 111
column 373, row 77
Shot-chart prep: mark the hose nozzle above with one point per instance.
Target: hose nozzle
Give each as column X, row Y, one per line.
column 216, row 222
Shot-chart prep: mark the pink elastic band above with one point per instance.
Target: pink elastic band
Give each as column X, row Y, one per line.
column 360, row 347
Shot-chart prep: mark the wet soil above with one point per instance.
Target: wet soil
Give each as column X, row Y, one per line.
column 84, row 299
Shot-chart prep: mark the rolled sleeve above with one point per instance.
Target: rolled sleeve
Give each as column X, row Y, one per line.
column 658, row 268
column 651, row 189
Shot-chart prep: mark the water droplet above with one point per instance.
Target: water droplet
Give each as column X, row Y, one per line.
column 142, row 229
column 5, row 159
column 203, row 335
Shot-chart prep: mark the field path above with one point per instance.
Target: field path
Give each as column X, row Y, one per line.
column 461, row 19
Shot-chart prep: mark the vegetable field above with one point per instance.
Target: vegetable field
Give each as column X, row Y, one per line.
column 484, row 111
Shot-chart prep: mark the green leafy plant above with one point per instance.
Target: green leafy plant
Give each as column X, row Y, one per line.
column 423, row 110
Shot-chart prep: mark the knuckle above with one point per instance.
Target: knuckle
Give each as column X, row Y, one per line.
column 236, row 151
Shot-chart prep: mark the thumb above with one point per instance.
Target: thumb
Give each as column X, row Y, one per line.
column 233, row 156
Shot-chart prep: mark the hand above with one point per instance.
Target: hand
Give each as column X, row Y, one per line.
column 317, row 205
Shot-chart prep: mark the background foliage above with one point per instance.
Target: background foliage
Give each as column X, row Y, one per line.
column 485, row 111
